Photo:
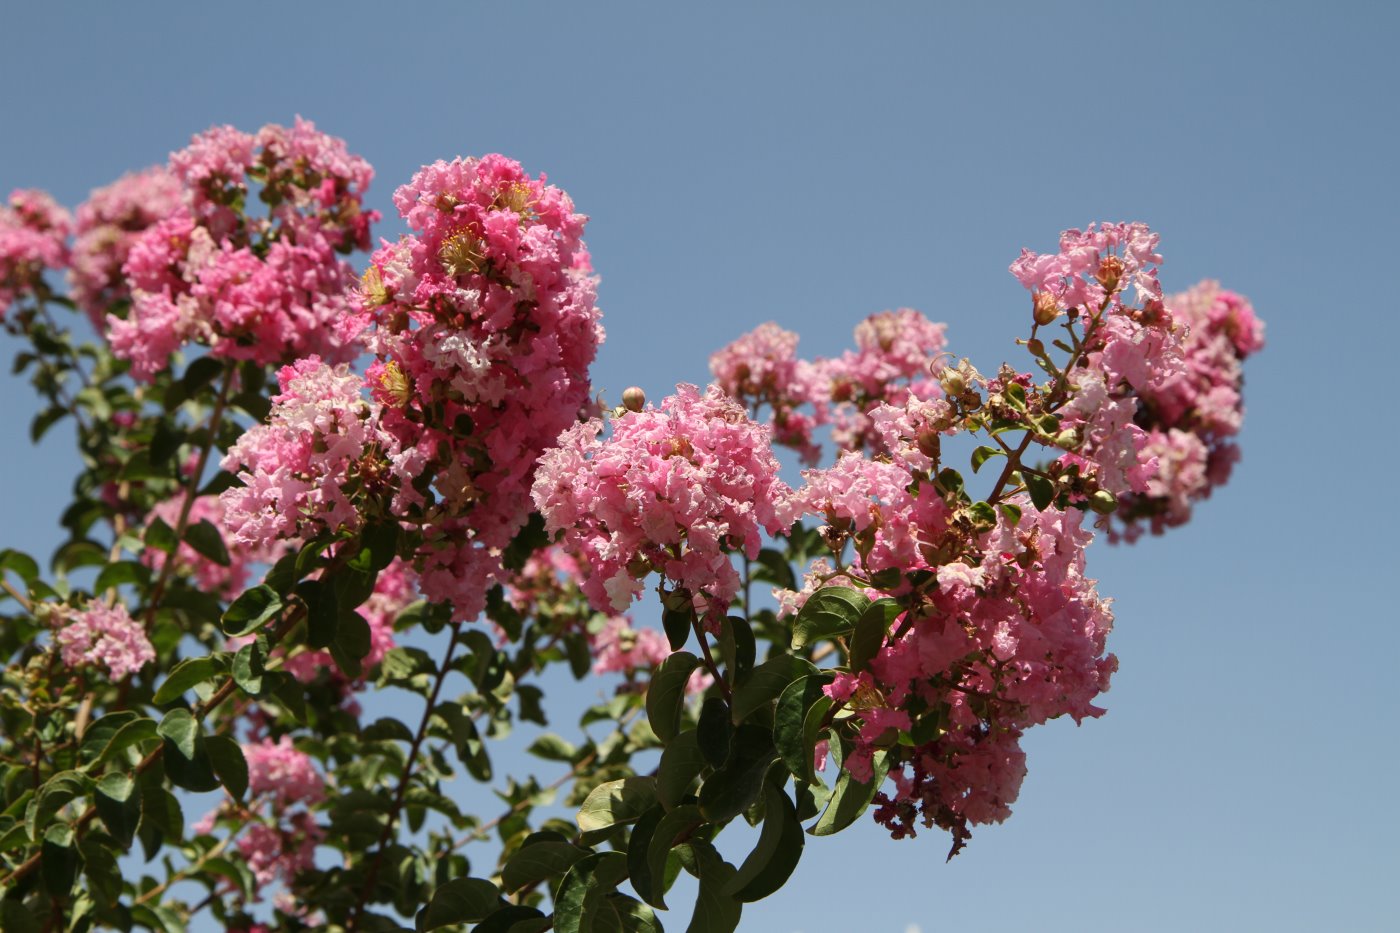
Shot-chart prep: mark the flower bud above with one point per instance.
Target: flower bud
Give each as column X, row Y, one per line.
column 633, row 398
column 929, row 443
column 1068, row 439
column 1103, row 502
column 952, row 382
column 1110, row 272
column 1044, row 308
column 1036, row 347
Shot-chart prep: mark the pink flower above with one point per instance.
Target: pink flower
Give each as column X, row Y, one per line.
column 103, row 635
column 674, row 489
column 279, row 770
column 33, row 239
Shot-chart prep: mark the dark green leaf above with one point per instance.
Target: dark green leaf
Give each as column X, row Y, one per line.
column 714, row 730
column 830, row 611
column 715, row 911
column 666, row 693
column 614, row 802
column 982, row 454
column 127, row 735
column 250, row 610
column 58, row 866
column 768, row 681
column 677, row 824
column 248, row 669
column 120, row 573
column 465, row 900
column 779, row 848
column 99, row 733
column 187, row 761
column 850, row 798
column 118, row 806
column 638, row 865
column 731, row 789
column 681, row 762
column 471, row 751
column 229, row 764
column 1041, row 489
column 505, row 920
column 52, row 796
column 183, row 676
column 676, row 622
column 584, row 888
column 774, row 568
column 871, row 631
column 207, row 541
column 797, row 722
column 322, row 611
column 532, row 864
column 161, row 536
column 20, row 563
column 737, row 648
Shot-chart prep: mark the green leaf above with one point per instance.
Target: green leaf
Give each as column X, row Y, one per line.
column 186, row 759
column 982, row 454
column 732, row 788
column 120, row 573
column 248, row 669
column 614, row 802
column 127, row 735
column 715, row 911
column 464, row 900
column 250, row 610
column 98, row 734
column 638, row 865
column 850, row 798
column 682, row 820
column 1041, row 489
column 768, row 681
column 118, row 806
column 45, row 420
column 20, row 563
column 1012, row 511
column 737, row 648
column 779, row 848
column 797, row 722
column 538, row 861
column 551, row 747
column 584, row 888
column 505, row 920
column 1015, row 395
column 16, row 918
column 676, row 622
column 666, row 694
column 625, row 914
column 183, row 676
column 207, row 541
column 52, row 796
column 471, row 751
column 681, row 763
column 714, row 730
column 230, row 766
column 830, row 611
column 322, row 611
column 58, row 866
column 871, row 631
column 160, row 536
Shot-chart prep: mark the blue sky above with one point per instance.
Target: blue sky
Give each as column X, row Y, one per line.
column 808, row 164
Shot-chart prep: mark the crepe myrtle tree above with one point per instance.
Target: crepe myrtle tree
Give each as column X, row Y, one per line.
column 302, row 484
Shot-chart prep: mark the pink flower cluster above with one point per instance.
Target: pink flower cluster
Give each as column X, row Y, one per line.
column 762, row 368
column 109, row 224
column 33, row 239
column 1192, row 413
column 281, row 852
column 896, row 356
column 262, row 288
column 484, row 322
column 674, row 489
column 105, row 636
column 303, row 472
column 285, row 775
column 1127, row 347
